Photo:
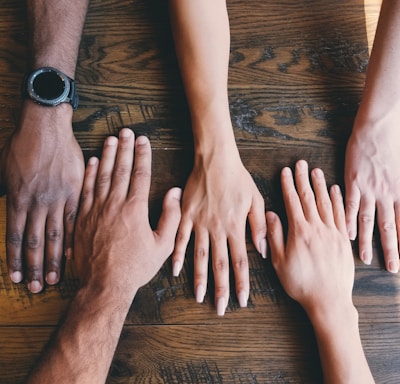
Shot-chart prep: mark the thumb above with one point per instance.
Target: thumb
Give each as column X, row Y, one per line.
column 169, row 220
column 275, row 238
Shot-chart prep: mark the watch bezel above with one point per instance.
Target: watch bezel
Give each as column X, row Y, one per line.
column 63, row 97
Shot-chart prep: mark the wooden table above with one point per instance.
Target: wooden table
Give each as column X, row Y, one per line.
column 296, row 77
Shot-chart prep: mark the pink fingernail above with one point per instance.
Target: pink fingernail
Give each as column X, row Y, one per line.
column 242, row 298
column 35, row 286
column 263, row 248
column 176, row 268
column 221, row 306
column 200, row 292
column 16, row 277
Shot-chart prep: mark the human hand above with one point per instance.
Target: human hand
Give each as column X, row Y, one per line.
column 372, row 177
column 115, row 246
column 316, row 268
column 219, row 196
column 42, row 170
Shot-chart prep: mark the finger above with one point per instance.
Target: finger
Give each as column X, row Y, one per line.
column 106, row 167
column 123, row 165
column 353, row 199
column 141, row 175
column 237, row 247
column 258, row 225
column 387, row 230
column 201, row 256
column 305, row 191
column 366, row 228
column 338, row 209
column 34, row 249
column 16, row 219
column 89, row 184
column 293, row 207
column 70, row 215
column 220, row 263
column 181, row 243
column 54, row 245
column 324, row 204
column 275, row 238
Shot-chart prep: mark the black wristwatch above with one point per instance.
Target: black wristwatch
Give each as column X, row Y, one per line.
column 50, row 87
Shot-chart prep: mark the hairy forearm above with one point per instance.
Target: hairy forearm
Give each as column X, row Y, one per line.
column 382, row 87
column 341, row 351
column 202, row 40
column 55, row 30
column 83, row 348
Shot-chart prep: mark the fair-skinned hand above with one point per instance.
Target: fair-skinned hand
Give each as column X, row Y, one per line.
column 316, row 268
column 219, row 197
column 372, row 177
column 42, row 170
column 114, row 243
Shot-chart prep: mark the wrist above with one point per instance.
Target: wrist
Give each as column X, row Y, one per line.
column 333, row 318
column 37, row 118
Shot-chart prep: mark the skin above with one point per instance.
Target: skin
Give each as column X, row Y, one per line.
column 316, row 268
column 372, row 174
column 42, row 165
column 116, row 253
column 220, row 194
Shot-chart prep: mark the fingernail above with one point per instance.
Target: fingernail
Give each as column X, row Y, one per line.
column 93, row 161
column 177, row 193
column 111, row 141
column 336, row 189
column 176, row 268
column 52, row 278
column 302, row 164
column 393, row 267
column 68, row 253
column 16, row 277
column 141, row 140
column 200, row 292
column 242, row 298
column 221, row 306
column 125, row 133
column 366, row 259
column 318, row 173
column 35, row 286
column 352, row 234
column 263, row 248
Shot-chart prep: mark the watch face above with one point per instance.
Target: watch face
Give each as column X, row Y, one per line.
column 48, row 86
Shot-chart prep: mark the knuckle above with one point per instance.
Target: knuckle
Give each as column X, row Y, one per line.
column 54, row 235
column 14, row 239
column 15, row 263
column 388, row 226
column 200, row 254
column 241, row 263
column 220, row 265
column 366, row 218
column 33, row 242
column 141, row 173
column 34, row 272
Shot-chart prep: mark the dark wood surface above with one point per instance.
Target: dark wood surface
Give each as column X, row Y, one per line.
column 296, row 75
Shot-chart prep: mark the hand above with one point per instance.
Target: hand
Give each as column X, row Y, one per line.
column 372, row 177
column 114, row 244
column 316, row 268
column 42, row 169
column 219, row 196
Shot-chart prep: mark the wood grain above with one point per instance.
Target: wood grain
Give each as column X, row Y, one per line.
column 296, row 75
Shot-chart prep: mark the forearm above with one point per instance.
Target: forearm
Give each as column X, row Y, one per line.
column 84, row 346
column 55, row 30
column 202, row 40
column 341, row 351
column 381, row 96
